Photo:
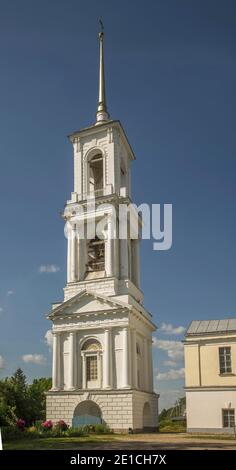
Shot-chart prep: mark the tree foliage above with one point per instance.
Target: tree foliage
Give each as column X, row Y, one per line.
column 18, row 399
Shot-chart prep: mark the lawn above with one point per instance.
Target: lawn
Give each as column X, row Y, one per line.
column 52, row 443
column 122, row 441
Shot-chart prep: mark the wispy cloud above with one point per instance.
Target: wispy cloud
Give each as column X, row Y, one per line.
column 48, row 338
column 172, row 374
column 1, row 309
column 10, row 292
column 34, row 358
column 174, row 349
column 170, row 363
column 2, row 363
column 169, row 329
column 48, row 268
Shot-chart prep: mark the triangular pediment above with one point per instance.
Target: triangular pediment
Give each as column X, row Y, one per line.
column 87, row 302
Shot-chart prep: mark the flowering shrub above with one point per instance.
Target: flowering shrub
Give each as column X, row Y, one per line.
column 20, row 423
column 47, row 425
column 61, row 425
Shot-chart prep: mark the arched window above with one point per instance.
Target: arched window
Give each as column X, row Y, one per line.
column 91, row 352
column 96, row 173
column 96, row 255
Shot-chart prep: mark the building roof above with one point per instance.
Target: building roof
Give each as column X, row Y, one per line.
column 199, row 327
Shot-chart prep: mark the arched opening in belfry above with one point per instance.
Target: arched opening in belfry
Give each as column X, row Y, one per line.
column 96, row 174
column 95, row 256
column 87, row 412
column 147, row 416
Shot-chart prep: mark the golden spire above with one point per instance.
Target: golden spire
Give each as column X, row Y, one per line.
column 102, row 114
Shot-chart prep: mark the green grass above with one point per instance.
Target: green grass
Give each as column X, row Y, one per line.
column 52, row 443
column 224, row 437
column 167, row 426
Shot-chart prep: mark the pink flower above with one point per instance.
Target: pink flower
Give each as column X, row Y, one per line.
column 47, row 425
column 20, row 423
column 62, row 425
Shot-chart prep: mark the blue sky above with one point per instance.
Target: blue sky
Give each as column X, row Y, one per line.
column 171, row 73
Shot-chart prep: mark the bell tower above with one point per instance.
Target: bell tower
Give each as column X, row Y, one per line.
column 102, row 334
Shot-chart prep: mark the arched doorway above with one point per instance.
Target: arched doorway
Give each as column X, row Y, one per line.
column 147, row 417
column 86, row 412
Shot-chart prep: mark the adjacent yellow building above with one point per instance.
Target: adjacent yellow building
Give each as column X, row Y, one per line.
column 210, row 375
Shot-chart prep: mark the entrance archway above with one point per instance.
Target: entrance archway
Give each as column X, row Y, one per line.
column 147, row 417
column 86, row 412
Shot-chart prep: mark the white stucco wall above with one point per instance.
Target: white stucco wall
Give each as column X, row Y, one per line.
column 204, row 408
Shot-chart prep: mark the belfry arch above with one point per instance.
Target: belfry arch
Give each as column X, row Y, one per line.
column 87, row 412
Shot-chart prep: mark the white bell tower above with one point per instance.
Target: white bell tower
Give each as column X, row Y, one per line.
column 102, row 334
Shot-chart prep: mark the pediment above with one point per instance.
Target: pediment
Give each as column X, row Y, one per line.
column 88, row 302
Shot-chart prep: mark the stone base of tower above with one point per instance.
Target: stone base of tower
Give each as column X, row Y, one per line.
column 121, row 410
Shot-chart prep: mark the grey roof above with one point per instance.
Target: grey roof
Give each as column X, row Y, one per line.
column 198, row 327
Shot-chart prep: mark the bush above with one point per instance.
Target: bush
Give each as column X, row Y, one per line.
column 38, row 425
column 10, row 433
column 172, row 426
column 47, row 425
column 20, row 423
column 76, row 432
column 61, row 426
column 32, row 433
column 101, row 429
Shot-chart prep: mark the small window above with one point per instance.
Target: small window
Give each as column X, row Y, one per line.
column 138, row 349
column 228, row 418
column 92, row 368
column 225, row 360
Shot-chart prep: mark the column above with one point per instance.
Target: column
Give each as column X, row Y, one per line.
column 73, row 254
column 124, row 259
column 126, row 375
column 84, row 381
column 99, row 369
column 72, row 361
column 78, row 366
column 109, row 257
column 136, row 262
column 107, row 359
column 150, row 366
column 69, row 231
column 134, row 358
column 56, row 364
column 146, row 360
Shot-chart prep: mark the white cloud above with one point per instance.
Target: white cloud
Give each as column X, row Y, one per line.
column 34, row 358
column 49, row 338
column 172, row 374
column 48, row 268
column 174, row 349
column 170, row 363
column 169, row 329
column 10, row 292
column 1, row 309
column 2, row 363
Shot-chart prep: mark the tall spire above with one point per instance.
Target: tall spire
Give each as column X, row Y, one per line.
column 102, row 114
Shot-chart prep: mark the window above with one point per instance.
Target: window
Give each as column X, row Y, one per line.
column 225, row 360
column 96, row 174
column 91, row 368
column 96, row 255
column 228, row 418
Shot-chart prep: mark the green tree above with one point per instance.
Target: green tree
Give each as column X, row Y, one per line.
column 20, row 400
column 38, row 398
